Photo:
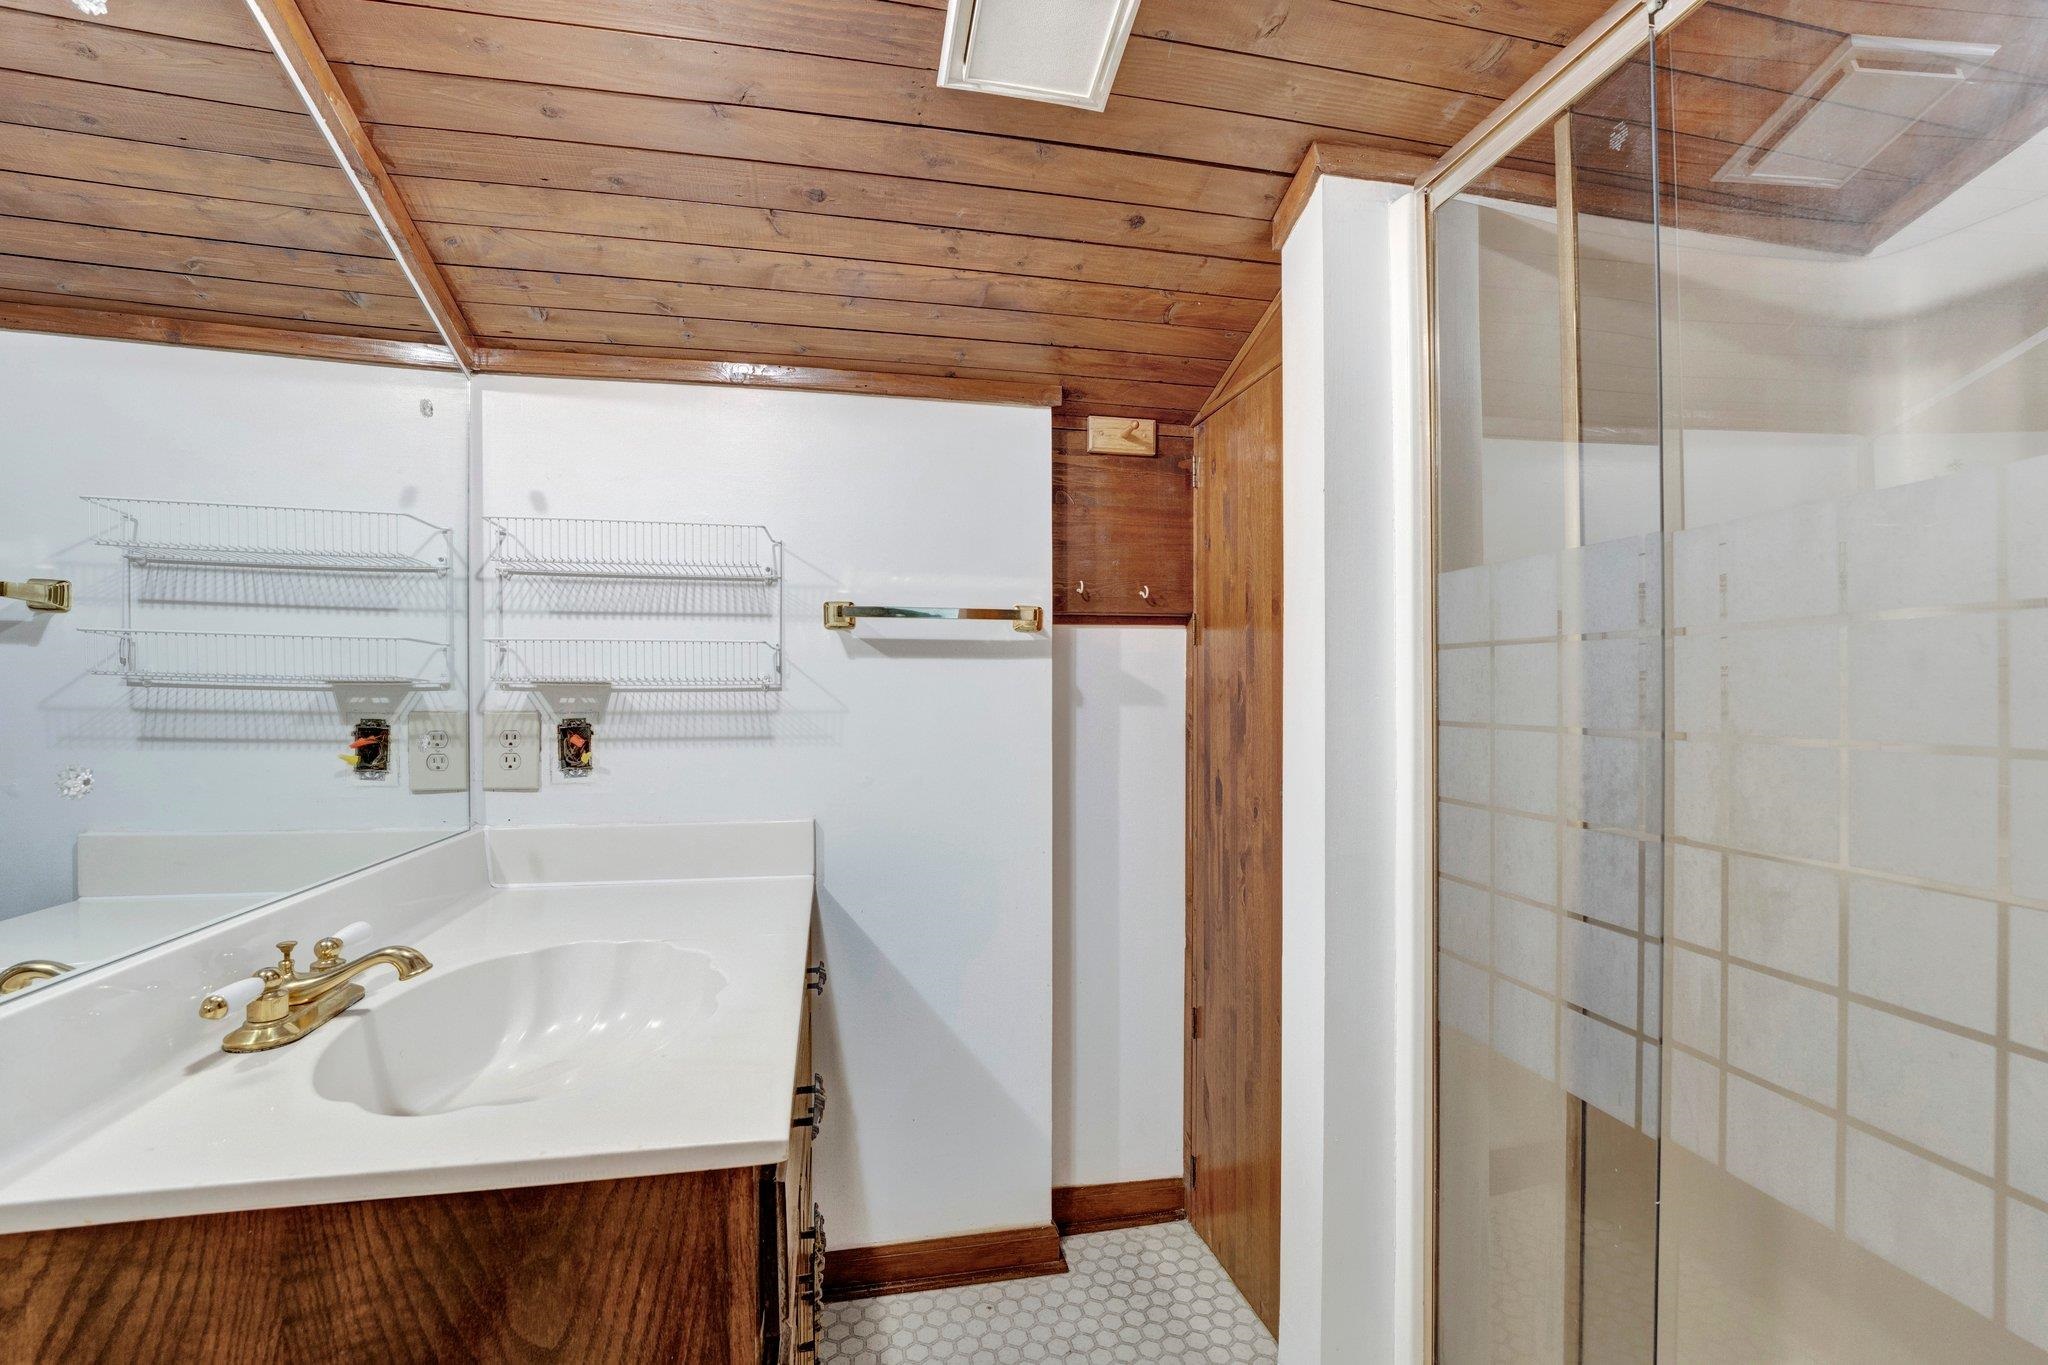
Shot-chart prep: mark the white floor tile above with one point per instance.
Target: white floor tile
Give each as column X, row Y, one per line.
column 1154, row 1293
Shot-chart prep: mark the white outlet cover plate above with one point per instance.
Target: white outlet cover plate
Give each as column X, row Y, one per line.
column 511, row 751
column 436, row 752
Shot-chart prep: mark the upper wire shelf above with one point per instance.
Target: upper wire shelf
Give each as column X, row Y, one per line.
column 582, row 547
column 192, row 658
column 638, row 665
column 252, row 536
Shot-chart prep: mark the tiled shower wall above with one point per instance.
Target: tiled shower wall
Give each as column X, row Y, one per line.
column 1858, row 821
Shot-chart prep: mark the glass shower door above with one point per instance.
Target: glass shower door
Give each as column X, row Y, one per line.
column 1550, row 708
column 1855, row 254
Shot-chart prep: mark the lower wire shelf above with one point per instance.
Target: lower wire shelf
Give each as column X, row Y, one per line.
column 638, row 665
column 191, row 658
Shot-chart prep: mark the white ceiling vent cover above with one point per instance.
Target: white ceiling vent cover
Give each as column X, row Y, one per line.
column 1059, row 51
column 1859, row 102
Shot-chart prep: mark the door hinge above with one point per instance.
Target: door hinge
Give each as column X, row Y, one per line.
column 1195, row 1022
column 1194, row 1166
column 1195, row 471
column 1194, row 627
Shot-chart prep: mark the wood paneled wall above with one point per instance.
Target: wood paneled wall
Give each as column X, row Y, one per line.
column 1121, row 524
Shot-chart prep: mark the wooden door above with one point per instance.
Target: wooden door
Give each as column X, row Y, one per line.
column 1233, row 1062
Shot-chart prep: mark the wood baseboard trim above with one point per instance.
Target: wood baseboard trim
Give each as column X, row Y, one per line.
column 1127, row 1204
column 943, row 1263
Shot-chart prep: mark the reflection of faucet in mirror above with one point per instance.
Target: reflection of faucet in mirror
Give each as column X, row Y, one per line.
column 22, row 975
column 284, row 1006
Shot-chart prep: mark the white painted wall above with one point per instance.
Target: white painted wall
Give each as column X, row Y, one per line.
column 923, row 751
column 1119, row 908
column 126, row 420
column 1355, row 954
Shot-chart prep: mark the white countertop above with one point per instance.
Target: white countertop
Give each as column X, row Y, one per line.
column 94, row 928
column 256, row 1131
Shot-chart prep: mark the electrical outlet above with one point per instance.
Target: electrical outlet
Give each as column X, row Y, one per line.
column 512, row 751
column 437, row 752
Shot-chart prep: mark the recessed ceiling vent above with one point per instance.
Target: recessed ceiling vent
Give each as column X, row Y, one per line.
column 1059, row 51
column 1859, row 102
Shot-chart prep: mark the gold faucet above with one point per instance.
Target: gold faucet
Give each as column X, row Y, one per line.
column 22, row 975
column 290, row 1006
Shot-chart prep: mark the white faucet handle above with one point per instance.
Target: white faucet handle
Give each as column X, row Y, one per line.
column 230, row 997
column 351, row 933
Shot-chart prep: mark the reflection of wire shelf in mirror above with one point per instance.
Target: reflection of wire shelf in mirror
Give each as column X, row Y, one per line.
column 249, row 536
column 571, row 547
column 638, row 665
column 191, row 658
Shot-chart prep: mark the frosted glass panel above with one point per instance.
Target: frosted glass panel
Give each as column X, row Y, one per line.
column 1550, row 709
column 1856, row 444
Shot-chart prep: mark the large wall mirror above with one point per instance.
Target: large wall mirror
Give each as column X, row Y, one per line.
column 258, row 685
column 259, row 682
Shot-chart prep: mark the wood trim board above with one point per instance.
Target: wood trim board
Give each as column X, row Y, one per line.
column 164, row 330
column 292, row 40
column 1257, row 358
column 1350, row 161
column 675, row 370
column 1125, row 1204
column 943, row 1262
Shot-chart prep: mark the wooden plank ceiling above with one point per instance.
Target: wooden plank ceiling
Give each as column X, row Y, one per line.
column 180, row 179
column 771, row 181
column 765, row 180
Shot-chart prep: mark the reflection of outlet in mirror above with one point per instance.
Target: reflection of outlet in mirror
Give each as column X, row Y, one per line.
column 575, row 744
column 369, row 749
column 512, row 759
column 438, row 757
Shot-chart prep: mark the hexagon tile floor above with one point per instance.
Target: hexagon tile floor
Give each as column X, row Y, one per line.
column 1144, row 1294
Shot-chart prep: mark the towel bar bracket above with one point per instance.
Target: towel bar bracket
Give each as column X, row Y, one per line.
column 41, row 594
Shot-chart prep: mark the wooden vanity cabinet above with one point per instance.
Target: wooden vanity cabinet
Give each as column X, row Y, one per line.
column 706, row 1267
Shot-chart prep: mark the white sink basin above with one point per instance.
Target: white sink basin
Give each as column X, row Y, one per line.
column 517, row 1029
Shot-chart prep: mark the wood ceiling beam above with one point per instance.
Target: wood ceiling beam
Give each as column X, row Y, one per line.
column 163, row 330
column 289, row 36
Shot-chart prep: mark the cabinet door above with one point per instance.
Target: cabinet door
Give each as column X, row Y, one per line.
column 1233, row 1078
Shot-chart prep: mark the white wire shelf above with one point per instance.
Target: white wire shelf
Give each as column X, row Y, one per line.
column 638, row 665
column 190, row 658
column 250, row 536
column 573, row 547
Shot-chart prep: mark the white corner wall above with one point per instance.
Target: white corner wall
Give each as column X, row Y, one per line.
column 923, row 751
column 122, row 419
column 1119, row 906
column 1354, row 859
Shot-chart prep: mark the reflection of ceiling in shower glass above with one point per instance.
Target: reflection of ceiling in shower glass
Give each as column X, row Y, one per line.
column 1740, row 80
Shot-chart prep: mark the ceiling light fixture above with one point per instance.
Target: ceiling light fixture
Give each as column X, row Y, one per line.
column 1861, row 100
column 1058, row 51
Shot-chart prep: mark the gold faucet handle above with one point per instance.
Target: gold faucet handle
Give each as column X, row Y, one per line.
column 330, row 952
column 238, row 994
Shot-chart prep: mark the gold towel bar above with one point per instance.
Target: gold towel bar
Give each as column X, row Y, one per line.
column 1029, row 619
column 41, row 594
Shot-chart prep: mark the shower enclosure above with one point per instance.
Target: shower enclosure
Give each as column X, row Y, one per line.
column 1742, row 697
